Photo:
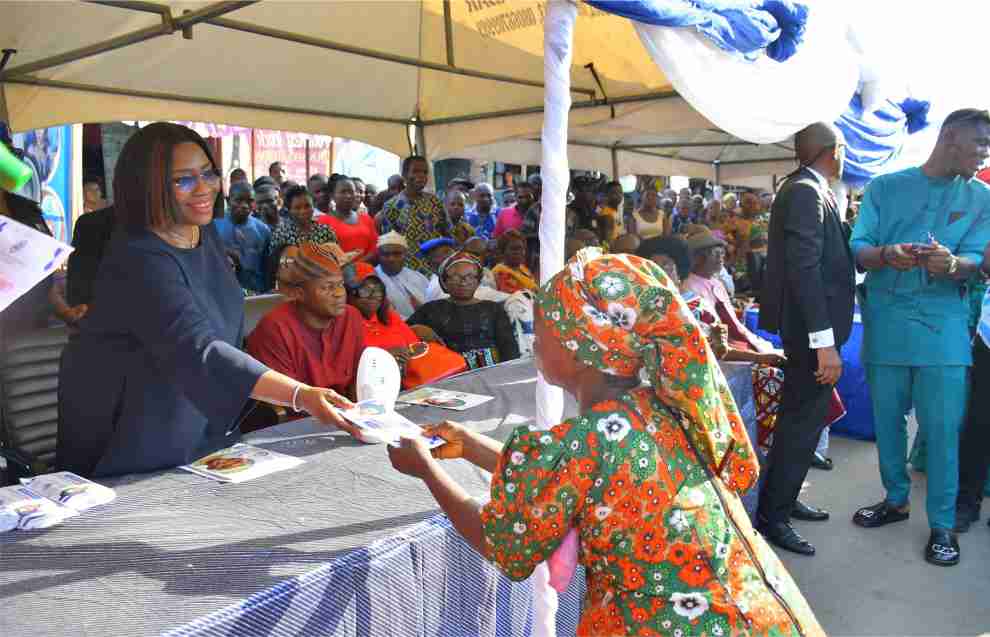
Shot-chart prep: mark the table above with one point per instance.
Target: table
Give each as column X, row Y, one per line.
column 340, row 545
column 853, row 388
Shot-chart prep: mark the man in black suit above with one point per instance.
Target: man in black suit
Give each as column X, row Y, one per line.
column 807, row 298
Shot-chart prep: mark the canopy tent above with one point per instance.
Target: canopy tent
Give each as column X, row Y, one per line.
column 461, row 72
column 446, row 78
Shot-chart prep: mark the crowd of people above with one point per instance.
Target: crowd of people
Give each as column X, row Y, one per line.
column 157, row 287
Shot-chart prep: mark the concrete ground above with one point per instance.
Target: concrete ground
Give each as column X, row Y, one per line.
column 876, row 581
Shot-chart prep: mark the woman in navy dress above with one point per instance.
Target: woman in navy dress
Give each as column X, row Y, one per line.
column 155, row 377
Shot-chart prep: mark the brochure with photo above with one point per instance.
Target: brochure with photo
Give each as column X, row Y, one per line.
column 70, row 490
column 443, row 398
column 241, row 463
column 21, row 508
column 380, row 424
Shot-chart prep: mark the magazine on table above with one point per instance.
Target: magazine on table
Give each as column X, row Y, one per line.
column 47, row 500
column 444, row 398
column 378, row 423
column 241, row 463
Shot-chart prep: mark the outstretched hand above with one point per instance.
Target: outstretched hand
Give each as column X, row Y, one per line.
column 455, row 436
column 324, row 404
column 412, row 458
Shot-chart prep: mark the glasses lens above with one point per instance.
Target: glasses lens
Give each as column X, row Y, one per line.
column 186, row 183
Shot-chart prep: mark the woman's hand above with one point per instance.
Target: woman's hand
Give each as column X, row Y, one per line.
column 412, row 458
column 773, row 359
column 401, row 355
column 323, row 404
column 719, row 339
column 426, row 333
column 453, row 433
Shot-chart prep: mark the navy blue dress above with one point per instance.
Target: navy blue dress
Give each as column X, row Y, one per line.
column 155, row 377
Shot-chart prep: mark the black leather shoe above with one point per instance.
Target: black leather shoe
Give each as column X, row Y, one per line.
column 784, row 536
column 965, row 517
column 879, row 515
column 801, row 511
column 942, row 548
column 818, row 461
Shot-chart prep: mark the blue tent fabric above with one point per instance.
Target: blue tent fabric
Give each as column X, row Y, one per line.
column 747, row 27
column 875, row 139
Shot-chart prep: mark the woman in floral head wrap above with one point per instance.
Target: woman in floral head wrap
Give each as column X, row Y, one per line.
column 647, row 475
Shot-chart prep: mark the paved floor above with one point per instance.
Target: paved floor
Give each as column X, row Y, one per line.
column 876, row 581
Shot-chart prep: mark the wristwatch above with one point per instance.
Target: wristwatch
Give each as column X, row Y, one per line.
column 953, row 265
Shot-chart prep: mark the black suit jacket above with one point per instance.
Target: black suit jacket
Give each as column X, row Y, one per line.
column 809, row 284
column 90, row 238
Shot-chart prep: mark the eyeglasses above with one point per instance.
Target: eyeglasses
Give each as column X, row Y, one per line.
column 336, row 287
column 188, row 183
column 462, row 279
column 370, row 292
column 388, row 254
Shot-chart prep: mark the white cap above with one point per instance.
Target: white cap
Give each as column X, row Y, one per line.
column 392, row 239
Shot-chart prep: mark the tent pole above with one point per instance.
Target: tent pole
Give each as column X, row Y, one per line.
column 558, row 55
column 448, row 28
column 615, row 163
column 168, row 26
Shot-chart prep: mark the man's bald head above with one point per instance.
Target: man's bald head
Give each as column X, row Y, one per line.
column 809, row 142
column 821, row 146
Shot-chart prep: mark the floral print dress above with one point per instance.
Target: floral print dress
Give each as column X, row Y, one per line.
column 667, row 548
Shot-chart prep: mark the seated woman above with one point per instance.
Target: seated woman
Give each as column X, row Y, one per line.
column 314, row 337
column 511, row 274
column 383, row 327
column 479, row 330
column 155, row 378
column 647, row 477
column 729, row 343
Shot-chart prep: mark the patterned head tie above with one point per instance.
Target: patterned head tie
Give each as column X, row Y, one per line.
column 620, row 314
column 313, row 261
column 454, row 259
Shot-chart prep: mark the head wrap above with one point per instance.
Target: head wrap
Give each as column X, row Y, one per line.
column 454, row 259
column 620, row 313
column 426, row 246
column 357, row 273
column 392, row 239
column 483, row 187
column 313, row 261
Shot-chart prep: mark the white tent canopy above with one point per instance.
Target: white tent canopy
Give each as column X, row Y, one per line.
column 443, row 76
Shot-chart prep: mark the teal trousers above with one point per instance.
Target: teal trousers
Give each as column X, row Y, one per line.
column 939, row 394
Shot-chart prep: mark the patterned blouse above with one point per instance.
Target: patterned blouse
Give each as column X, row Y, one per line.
column 418, row 222
column 667, row 548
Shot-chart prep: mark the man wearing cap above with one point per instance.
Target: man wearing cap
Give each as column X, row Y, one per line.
column 807, row 298
column 314, row 337
column 920, row 236
column 404, row 287
column 482, row 217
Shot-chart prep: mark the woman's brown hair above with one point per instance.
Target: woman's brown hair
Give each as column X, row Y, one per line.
column 142, row 184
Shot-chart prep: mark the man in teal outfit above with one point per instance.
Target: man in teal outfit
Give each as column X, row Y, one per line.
column 920, row 235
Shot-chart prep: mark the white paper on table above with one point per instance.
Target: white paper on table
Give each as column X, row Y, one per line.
column 443, row 398
column 26, row 258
